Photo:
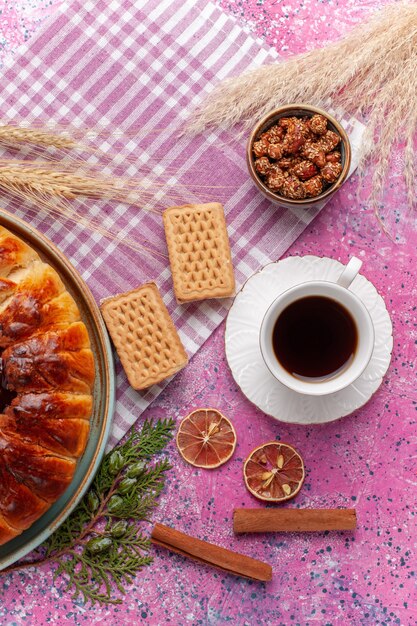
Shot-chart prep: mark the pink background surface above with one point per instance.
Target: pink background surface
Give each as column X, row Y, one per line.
column 366, row 460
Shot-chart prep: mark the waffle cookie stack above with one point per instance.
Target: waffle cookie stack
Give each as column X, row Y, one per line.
column 138, row 321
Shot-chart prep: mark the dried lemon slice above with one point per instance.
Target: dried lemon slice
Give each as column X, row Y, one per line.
column 206, row 438
column 274, row 472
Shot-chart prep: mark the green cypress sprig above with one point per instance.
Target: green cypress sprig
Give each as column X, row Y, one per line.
column 100, row 544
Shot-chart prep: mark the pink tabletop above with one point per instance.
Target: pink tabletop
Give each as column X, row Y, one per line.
column 366, row 460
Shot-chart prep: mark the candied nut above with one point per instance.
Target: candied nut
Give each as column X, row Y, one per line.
column 284, row 122
column 275, row 180
column 275, row 150
column 262, row 165
column 314, row 186
column 334, row 157
column 320, row 159
column 276, row 134
column 318, row 124
column 315, row 153
column 265, row 137
column 303, row 126
column 298, row 124
column 293, row 188
column 275, row 169
column 329, row 141
column 304, row 170
column 331, row 172
column 287, row 162
column 260, row 148
column 293, row 142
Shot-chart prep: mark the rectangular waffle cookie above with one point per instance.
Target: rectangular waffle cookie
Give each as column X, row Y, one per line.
column 199, row 252
column 144, row 335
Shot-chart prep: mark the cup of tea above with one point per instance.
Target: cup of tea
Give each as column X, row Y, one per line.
column 318, row 337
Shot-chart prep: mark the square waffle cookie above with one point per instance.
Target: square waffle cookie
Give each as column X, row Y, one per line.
column 199, row 252
column 144, row 335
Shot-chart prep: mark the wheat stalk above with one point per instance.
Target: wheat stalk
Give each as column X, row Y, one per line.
column 50, row 190
column 28, row 177
column 56, row 183
column 18, row 135
column 70, row 179
column 74, row 213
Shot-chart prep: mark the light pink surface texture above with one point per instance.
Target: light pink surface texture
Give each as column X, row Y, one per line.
column 366, row 460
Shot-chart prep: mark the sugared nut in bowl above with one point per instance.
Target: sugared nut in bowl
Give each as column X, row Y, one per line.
column 298, row 155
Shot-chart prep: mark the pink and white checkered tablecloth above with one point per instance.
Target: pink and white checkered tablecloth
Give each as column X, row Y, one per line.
column 141, row 65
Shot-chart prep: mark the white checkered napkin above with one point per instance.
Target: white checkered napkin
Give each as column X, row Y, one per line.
column 144, row 64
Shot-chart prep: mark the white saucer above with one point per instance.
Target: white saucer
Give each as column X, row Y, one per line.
column 246, row 362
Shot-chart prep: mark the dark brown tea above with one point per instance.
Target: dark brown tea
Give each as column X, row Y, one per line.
column 314, row 338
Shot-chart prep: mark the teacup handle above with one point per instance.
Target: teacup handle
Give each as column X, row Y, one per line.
column 349, row 273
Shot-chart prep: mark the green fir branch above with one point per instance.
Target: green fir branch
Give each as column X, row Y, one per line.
column 100, row 544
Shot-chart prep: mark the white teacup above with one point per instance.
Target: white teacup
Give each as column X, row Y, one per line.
column 340, row 292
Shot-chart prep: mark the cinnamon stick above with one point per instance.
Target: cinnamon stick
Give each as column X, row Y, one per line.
column 210, row 554
column 292, row 520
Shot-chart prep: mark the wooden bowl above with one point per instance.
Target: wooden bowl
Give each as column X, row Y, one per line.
column 298, row 110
